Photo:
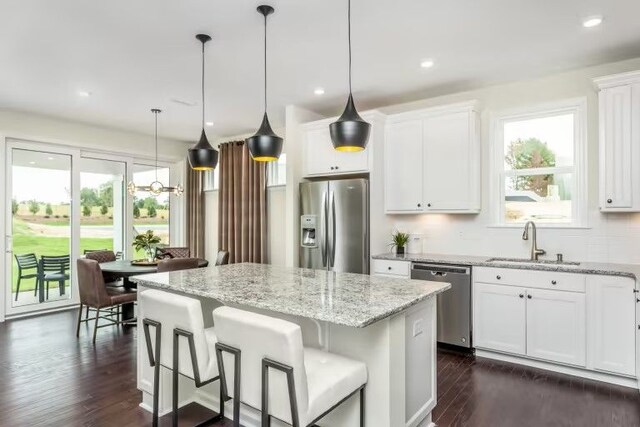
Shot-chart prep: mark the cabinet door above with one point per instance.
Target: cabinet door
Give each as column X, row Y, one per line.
column 448, row 156
column 403, row 167
column 612, row 330
column 499, row 318
column 616, row 188
column 319, row 153
column 556, row 328
column 346, row 162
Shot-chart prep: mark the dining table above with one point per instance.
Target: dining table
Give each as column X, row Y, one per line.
column 126, row 268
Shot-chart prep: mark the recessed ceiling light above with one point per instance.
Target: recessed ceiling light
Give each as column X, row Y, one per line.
column 49, row 158
column 84, row 93
column 592, row 21
column 318, row 91
column 32, row 163
column 209, row 123
column 427, row 63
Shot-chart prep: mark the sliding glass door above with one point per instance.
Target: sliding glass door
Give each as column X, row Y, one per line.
column 40, row 244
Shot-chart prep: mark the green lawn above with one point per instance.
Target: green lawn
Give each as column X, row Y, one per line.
column 25, row 242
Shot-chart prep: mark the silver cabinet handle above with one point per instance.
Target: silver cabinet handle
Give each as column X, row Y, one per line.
column 323, row 221
column 498, row 277
column 521, row 295
column 529, row 296
column 553, row 282
column 333, row 229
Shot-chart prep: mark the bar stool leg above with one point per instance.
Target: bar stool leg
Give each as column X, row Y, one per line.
column 362, row 407
column 79, row 320
column 174, row 397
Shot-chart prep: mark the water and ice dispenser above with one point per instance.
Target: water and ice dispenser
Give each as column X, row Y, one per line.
column 308, row 232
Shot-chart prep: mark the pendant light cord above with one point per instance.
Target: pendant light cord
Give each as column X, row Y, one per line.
column 349, row 37
column 203, row 85
column 265, row 63
column 156, row 137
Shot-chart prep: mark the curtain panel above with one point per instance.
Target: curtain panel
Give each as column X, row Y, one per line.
column 195, row 213
column 242, row 213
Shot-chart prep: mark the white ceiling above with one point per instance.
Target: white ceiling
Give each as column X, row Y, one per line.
column 135, row 55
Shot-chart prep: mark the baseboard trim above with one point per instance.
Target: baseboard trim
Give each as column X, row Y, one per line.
column 568, row 370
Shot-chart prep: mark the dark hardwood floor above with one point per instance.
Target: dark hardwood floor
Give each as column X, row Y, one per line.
column 50, row 378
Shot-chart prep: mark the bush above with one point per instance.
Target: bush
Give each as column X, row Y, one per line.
column 47, row 216
column 14, row 206
column 151, row 211
column 104, row 209
column 34, row 207
column 86, row 210
column 136, row 211
column 56, row 216
column 48, row 210
column 65, row 216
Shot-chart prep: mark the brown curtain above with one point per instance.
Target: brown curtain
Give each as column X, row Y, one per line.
column 242, row 213
column 195, row 213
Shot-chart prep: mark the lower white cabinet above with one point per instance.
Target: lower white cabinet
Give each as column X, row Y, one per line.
column 612, row 324
column 579, row 320
column 493, row 304
column 556, row 328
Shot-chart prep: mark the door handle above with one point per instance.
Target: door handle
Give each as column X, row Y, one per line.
column 323, row 221
column 333, row 230
column 439, row 273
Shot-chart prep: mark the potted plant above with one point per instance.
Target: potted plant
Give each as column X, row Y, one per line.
column 146, row 241
column 399, row 240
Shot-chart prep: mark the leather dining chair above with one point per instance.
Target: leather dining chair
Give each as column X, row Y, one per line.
column 95, row 294
column 222, row 258
column 175, row 264
column 104, row 256
column 173, row 252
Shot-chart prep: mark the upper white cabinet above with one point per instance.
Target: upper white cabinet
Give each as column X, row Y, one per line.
column 432, row 161
column 619, row 106
column 321, row 159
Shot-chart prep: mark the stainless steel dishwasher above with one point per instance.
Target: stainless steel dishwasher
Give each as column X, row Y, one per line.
column 454, row 305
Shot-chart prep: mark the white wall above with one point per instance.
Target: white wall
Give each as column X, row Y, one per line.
column 608, row 238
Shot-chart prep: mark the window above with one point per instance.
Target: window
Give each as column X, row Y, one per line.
column 540, row 164
column 276, row 175
column 151, row 212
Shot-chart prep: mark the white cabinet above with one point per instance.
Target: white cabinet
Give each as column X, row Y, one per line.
column 611, row 304
column 403, row 167
column 619, row 142
column 432, row 161
column 556, row 328
column 391, row 268
column 499, row 318
column 321, row 159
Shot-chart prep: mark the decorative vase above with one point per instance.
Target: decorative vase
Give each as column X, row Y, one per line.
column 400, row 250
column 149, row 252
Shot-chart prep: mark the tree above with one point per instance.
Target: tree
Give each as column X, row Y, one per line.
column 106, row 194
column 89, row 197
column 86, row 210
column 104, row 209
column 48, row 209
column 34, row 207
column 151, row 212
column 14, row 206
column 150, row 202
column 531, row 154
column 136, row 211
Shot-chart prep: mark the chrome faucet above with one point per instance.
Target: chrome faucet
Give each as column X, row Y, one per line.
column 535, row 252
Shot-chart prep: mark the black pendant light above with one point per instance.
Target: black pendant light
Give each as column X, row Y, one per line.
column 265, row 145
column 203, row 156
column 350, row 132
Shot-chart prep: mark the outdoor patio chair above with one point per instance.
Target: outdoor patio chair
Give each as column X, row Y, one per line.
column 26, row 262
column 54, row 269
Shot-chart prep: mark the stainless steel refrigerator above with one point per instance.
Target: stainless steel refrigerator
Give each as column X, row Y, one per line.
column 334, row 225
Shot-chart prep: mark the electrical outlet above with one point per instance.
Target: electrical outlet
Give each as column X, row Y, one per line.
column 417, row 327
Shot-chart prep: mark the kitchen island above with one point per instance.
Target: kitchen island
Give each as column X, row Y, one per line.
column 388, row 323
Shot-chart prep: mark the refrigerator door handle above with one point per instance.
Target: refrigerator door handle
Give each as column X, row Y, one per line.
column 333, row 231
column 323, row 221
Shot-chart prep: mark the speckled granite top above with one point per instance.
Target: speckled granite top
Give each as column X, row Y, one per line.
column 608, row 269
column 348, row 299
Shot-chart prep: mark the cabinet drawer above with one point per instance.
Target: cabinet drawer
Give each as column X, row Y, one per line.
column 392, row 268
column 572, row 282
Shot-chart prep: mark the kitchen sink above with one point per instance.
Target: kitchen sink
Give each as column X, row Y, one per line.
column 520, row 261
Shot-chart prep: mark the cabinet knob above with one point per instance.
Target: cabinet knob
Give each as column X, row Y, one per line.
column 331, row 167
column 529, row 296
column 553, row 282
column 609, row 201
column 428, row 205
column 498, row 277
column 388, row 268
column 521, row 295
column 336, row 168
column 419, row 204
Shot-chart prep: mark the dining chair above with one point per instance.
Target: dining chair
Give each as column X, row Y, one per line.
column 26, row 262
column 175, row 264
column 222, row 258
column 105, row 256
column 54, row 269
column 95, row 294
column 181, row 344
column 172, row 252
column 88, row 251
column 308, row 383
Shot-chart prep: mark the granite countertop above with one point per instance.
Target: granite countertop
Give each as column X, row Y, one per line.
column 348, row 299
column 608, row 269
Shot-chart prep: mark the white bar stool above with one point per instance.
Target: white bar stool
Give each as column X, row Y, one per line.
column 307, row 383
column 174, row 317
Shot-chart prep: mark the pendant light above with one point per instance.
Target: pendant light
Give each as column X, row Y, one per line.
column 203, row 156
column 265, row 145
column 156, row 186
column 350, row 132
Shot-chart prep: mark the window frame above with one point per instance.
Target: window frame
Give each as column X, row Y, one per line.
column 498, row 174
